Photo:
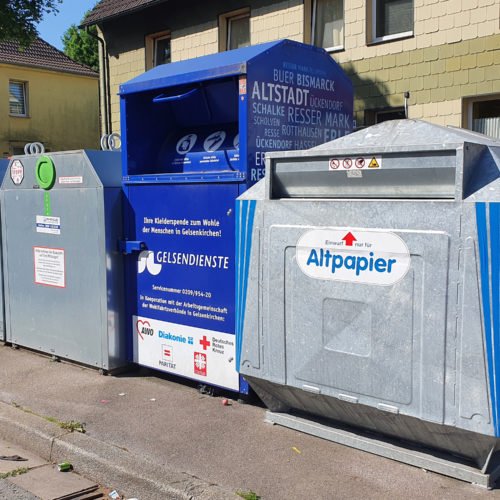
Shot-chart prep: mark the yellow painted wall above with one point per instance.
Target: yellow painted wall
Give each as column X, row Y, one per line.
column 63, row 110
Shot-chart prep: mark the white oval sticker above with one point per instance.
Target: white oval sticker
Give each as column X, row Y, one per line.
column 352, row 255
column 17, row 172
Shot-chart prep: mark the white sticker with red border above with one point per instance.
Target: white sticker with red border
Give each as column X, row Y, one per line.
column 353, row 163
column 196, row 353
column 353, row 255
column 17, row 172
column 49, row 266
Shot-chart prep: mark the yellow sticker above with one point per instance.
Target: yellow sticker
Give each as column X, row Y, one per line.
column 374, row 163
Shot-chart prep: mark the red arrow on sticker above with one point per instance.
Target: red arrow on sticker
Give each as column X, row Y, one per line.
column 349, row 239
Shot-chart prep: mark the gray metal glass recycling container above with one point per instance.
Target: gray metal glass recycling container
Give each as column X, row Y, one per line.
column 368, row 284
column 61, row 223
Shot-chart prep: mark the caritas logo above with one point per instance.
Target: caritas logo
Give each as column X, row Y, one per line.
column 144, row 328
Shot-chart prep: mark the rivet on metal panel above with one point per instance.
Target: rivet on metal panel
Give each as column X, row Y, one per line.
column 349, row 399
column 310, row 388
column 230, row 211
column 389, row 408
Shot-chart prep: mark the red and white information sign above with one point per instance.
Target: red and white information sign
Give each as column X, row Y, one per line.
column 17, row 172
column 199, row 354
column 49, row 266
column 351, row 163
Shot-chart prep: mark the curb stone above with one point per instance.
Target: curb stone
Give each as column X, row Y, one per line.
column 102, row 462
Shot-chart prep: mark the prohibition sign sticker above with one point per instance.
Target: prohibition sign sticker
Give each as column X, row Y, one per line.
column 360, row 162
column 347, row 163
column 334, row 164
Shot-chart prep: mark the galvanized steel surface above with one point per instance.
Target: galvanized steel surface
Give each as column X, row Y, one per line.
column 370, row 355
column 63, row 272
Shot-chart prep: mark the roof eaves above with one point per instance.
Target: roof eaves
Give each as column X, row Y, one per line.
column 89, row 74
column 115, row 15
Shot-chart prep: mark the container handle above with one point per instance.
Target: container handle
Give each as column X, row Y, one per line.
column 164, row 98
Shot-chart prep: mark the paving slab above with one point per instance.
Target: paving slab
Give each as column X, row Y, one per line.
column 48, row 483
column 163, row 437
column 8, row 450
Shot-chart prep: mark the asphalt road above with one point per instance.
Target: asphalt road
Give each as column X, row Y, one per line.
column 150, row 426
column 9, row 491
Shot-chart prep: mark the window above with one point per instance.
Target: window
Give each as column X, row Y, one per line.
column 389, row 114
column 158, row 49
column 17, row 99
column 483, row 115
column 328, row 24
column 373, row 116
column 161, row 51
column 238, row 32
column 234, row 30
column 392, row 19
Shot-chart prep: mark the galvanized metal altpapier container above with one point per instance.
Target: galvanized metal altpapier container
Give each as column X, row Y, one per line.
column 61, row 224
column 368, row 280
column 194, row 137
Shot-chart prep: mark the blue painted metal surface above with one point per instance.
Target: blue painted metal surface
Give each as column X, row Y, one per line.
column 488, row 228
column 245, row 213
column 208, row 67
column 194, row 135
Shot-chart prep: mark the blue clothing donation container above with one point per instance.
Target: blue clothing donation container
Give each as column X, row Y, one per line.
column 194, row 137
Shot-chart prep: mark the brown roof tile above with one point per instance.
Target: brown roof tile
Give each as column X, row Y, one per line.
column 112, row 8
column 40, row 54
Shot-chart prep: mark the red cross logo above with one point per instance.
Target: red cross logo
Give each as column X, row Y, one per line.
column 205, row 342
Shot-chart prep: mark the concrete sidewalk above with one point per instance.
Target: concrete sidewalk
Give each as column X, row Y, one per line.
column 153, row 438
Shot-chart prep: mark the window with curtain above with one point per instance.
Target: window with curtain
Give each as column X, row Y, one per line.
column 392, row 18
column 328, row 24
column 486, row 117
column 17, row 98
column 238, row 32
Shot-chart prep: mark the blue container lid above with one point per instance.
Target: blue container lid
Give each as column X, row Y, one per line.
column 221, row 64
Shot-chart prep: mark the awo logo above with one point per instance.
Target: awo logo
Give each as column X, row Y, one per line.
column 147, row 261
column 144, row 328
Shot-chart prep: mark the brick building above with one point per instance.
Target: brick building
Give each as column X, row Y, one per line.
column 446, row 54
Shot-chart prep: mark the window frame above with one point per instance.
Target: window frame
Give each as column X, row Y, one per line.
column 394, row 36
column 335, row 48
column 229, row 22
column 468, row 108
column 24, row 85
column 151, row 47
column 225, row 26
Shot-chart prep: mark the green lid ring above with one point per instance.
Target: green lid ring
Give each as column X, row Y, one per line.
column 45, row 172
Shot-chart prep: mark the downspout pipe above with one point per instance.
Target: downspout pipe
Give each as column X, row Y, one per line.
column 105, row 74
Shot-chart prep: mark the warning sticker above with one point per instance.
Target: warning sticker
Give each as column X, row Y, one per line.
column 49, row 266
column 355, row 163
column 243, row 85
